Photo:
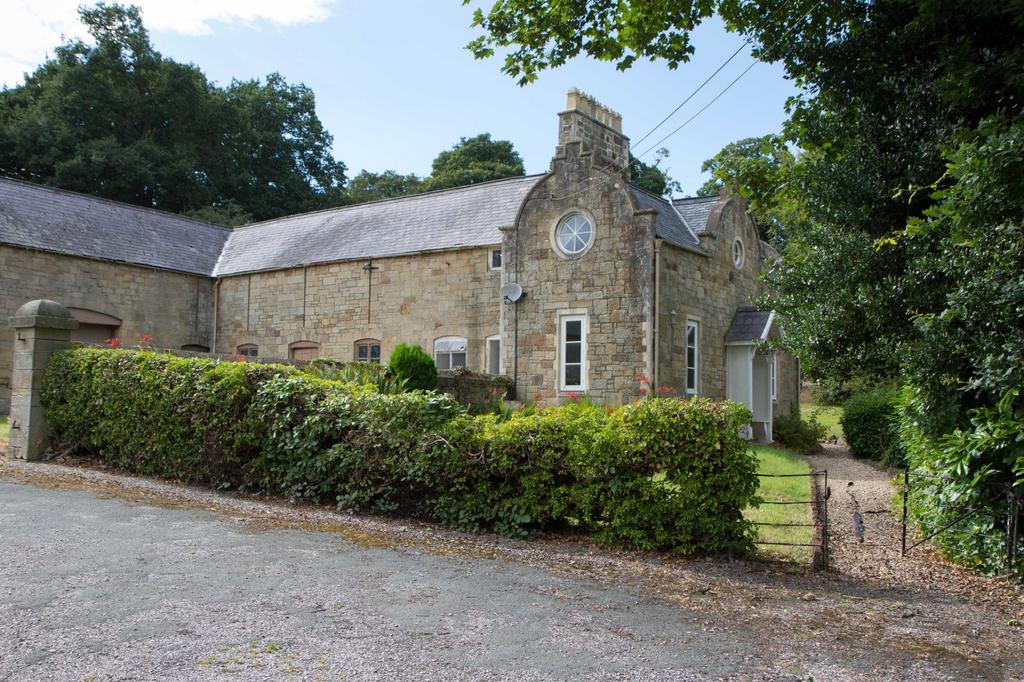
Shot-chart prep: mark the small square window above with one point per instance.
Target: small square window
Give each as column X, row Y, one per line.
column 368, row 350
column 495, row 261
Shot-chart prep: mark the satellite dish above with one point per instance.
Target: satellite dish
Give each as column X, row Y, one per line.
column 511, row 292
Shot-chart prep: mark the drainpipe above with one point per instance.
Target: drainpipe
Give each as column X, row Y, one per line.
column 655, row 307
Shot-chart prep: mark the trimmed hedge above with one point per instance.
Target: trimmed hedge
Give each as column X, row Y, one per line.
column 663, row 474
column 870, row 426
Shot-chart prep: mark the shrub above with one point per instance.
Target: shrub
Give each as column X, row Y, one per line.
column 830, row 392
column 365, row 373
column 802, row 435
column 662, row 474
column 414, row 366
column 870, row 427
column 972, row 467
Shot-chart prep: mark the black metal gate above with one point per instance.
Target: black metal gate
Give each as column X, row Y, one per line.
column 1013, row 512
column 818, row 508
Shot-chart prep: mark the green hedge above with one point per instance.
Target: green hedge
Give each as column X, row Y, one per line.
column 664, row 474
column 870, row 426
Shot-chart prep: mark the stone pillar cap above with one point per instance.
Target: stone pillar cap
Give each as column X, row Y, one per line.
column 43, row 313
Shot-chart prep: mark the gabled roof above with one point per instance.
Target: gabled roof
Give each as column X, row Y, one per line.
column 48, row 219
column 668, row 224
column 434, row 221
column 749, row 326
column 696, row 210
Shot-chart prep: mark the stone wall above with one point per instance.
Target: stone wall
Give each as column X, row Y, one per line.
column 611, row 282
column 481, row 393
column 709, row 289
column 411, row 299
column 173, row 308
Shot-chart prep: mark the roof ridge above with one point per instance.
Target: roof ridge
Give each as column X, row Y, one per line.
column 107, row 200
column 707, row 197
column 404, row 197
column 649, row 192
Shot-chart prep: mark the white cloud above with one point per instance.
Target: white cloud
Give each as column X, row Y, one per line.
column 32, row 28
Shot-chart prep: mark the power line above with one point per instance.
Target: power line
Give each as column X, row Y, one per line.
column 630, row 157
column 702, row 109
column 692, row 94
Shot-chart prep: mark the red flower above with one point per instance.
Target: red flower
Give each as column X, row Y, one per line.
column 144, row 339
column 113, row 343
column 666, row 390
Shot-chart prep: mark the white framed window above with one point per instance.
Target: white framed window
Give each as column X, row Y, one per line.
column 692, row 357
column 494, row 260
column 737, row 253
column 572, row 336
column 574, row 234
column 493, row 353
column 450, row 352
column 771, row 374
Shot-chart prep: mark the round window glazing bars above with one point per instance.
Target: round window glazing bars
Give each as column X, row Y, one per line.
column 574, row 234
column 737, row 253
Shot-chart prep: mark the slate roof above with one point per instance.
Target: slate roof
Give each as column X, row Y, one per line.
column 749, row 325
column 695, row 211
column 49, row 219
column 434, row 221
column 669, row 225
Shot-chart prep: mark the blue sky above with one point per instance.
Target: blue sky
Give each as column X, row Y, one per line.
column 395, row 85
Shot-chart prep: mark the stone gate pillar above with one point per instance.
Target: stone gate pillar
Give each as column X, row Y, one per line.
column 40, row 328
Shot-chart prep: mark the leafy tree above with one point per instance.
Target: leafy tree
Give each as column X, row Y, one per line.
column 119, row 120
column 227, row 213
column 473, row 160
column 651, row 177
column 370, row 186
column 760, row 169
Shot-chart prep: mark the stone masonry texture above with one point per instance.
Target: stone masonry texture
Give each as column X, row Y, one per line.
column 173, row 308
column 411, row 299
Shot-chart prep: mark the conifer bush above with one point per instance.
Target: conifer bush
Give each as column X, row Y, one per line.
column 661, row 474
column 414, row 366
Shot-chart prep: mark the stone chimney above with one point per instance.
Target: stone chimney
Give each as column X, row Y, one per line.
column 596, row 129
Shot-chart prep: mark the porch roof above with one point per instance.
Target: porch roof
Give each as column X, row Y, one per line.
column 750, row 326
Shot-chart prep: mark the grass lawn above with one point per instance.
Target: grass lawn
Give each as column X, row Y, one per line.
column 779, row 461
column 825, row 414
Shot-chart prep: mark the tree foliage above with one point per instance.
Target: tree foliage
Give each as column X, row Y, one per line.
column 370, row 186
column 119, row 120
column 651, row 177
column 760, row 169
column 475, row 159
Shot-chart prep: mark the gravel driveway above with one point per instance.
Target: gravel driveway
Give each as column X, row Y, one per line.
column 109, row 577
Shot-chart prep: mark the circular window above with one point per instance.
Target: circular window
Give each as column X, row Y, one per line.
column 737, row 253
column 574, row 234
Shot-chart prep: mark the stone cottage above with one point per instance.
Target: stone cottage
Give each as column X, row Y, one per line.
column 573, row 281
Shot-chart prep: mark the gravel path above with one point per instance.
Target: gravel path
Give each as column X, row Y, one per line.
column 110, row 577
column 868, row 488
